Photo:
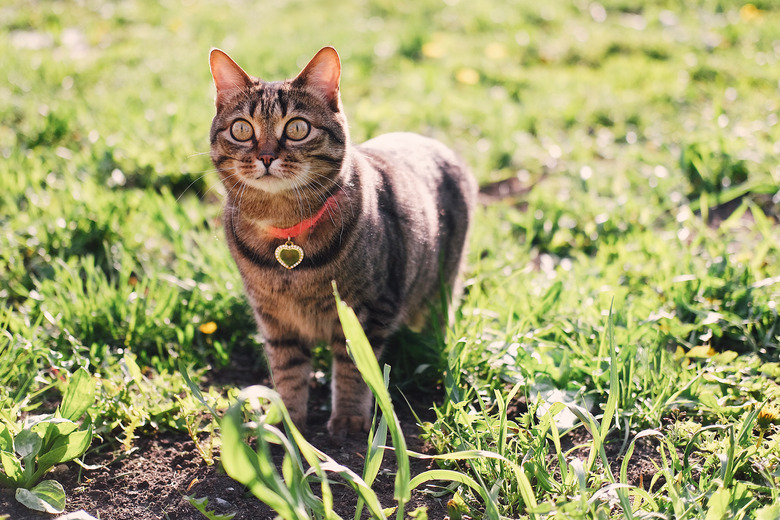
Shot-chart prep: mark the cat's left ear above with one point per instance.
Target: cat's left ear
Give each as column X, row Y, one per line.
column 322, row 75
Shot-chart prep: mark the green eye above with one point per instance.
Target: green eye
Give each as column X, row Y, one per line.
column 241, row 130
column 297, row 129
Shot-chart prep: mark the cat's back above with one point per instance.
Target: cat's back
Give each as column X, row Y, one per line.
column 420, row 160
column 410, row 147
column 402, row 140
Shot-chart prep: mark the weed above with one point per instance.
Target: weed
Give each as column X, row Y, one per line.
column 29, row 449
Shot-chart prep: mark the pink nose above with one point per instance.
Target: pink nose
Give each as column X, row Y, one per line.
column 267, row 159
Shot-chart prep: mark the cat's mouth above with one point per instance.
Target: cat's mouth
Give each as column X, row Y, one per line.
column 274, row 179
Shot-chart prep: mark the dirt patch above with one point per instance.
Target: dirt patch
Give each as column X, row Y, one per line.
column 766, row 203
column 152, row 482
column 644, row 463
column 154, row 478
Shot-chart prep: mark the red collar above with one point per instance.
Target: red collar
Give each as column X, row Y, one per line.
column 300, row 227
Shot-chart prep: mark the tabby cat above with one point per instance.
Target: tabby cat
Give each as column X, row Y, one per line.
column 387, row 220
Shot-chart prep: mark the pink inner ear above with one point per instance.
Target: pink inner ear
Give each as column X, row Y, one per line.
column 323, row 73
column 228, row 76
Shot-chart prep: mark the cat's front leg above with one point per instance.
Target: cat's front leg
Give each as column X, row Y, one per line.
column 351, row 397
column 290, row 362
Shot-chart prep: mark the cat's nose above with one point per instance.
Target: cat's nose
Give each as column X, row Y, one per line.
column 267, row 159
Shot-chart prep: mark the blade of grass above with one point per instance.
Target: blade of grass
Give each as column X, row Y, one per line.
column 363, row 356
column 253, row 470
column 376, row 451
column 526, row 490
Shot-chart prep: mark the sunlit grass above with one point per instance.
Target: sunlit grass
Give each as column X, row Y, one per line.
column 646, row 133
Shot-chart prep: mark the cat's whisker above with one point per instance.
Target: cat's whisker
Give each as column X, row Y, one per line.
column 237, row 213
column 213, row 186
column 320, row 195
column 207, row 172
column 339, row 186
column 236, row 209
column 338, row 204
column 299, row 197
column 326, row 191
column 323, row 199
column 197, row 154
column 235, row 186
column 204, row 174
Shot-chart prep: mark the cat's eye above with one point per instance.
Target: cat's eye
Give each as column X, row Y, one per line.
column 241, row 130
column 297, row 129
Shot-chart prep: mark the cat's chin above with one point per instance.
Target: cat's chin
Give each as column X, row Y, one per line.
column 276, row 180
column 271, row 184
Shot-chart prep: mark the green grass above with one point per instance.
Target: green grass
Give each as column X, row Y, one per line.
column 605, row 282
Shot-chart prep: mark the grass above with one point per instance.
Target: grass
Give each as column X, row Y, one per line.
column 618, row 285
column 253, row 417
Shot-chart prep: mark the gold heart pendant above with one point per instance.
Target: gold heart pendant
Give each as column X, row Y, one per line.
column 289, row 254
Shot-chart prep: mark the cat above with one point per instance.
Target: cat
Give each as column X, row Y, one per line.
column 387, row 220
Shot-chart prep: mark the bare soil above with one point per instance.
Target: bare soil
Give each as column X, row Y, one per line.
column 642, row 467
column 154, row 479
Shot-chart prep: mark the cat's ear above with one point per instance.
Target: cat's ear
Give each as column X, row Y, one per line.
column 322, row 75
column 229, row 78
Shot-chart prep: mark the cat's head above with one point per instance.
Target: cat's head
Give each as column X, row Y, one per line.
column 284, row 136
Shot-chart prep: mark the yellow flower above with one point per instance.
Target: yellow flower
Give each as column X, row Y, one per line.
column 208, row 328
column 768, row 416
column 749, row 12
column 467, row 76
column 433, row 49
column 495, row 51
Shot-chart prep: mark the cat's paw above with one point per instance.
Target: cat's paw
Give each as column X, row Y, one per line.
column 340, row 426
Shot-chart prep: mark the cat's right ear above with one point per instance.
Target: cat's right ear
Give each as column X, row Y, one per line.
column 229, row 78
column 322, row 75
